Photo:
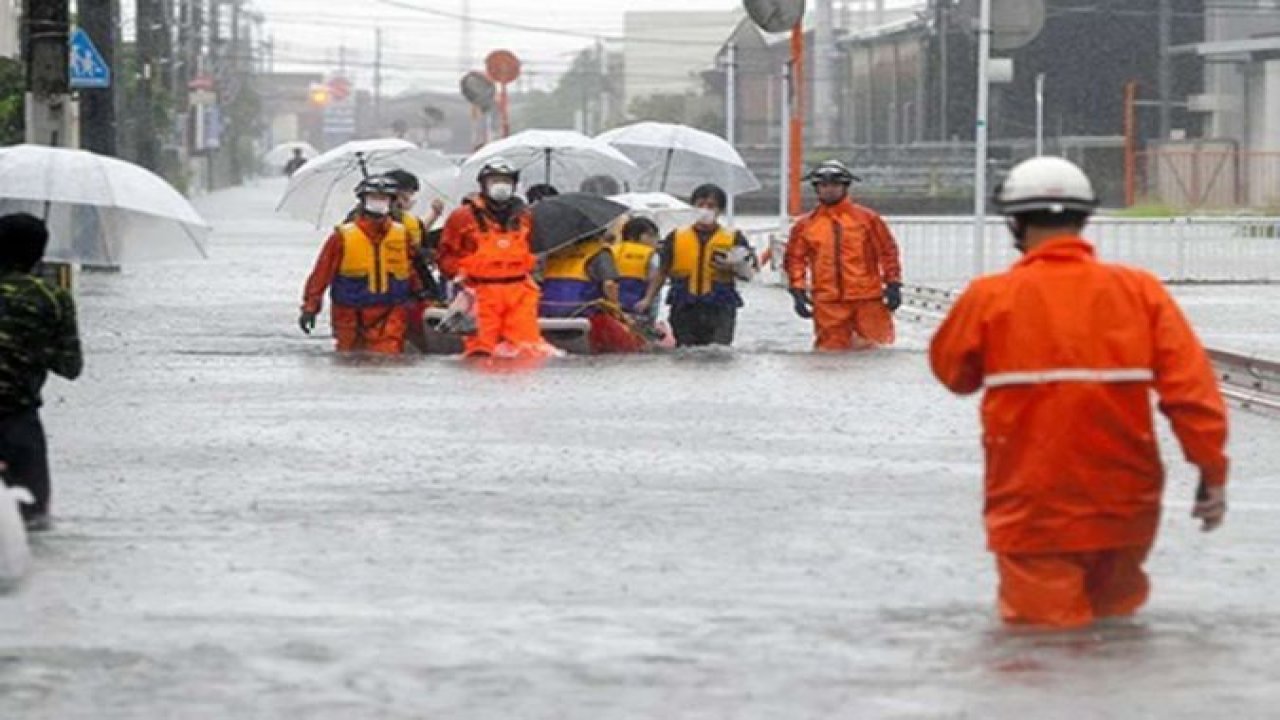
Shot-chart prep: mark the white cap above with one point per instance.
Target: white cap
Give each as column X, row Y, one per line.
column 1048, row 184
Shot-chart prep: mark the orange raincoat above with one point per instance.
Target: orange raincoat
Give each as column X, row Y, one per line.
column 496, row 263
column 844, row 255
column 1069, row 350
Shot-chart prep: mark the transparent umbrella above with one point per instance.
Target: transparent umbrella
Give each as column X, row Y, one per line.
column 277, row 156
column 321, row 192
column 678, row 158
column 100, row 210
column 666, row 211
column 562, row 158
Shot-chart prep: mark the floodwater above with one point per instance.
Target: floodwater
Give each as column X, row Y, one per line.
column 251, row 528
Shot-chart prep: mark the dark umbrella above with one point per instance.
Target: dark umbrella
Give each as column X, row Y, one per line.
column 564, row 219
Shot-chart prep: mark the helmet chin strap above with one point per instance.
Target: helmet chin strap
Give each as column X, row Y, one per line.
column 1019, row 232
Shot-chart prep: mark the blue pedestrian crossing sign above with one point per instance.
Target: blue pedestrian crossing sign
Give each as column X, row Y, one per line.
column 88, row 69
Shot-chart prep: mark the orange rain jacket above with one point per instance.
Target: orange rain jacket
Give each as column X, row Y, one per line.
column 467, row 223
column 1068, row 350
column 842, row 252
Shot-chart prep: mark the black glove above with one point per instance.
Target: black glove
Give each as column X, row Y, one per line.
column 803, row 305
column 893, row 296
column 307, row 321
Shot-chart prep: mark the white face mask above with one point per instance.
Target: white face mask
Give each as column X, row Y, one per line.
column 377, row 206
column 707, row 216
column 501, row 192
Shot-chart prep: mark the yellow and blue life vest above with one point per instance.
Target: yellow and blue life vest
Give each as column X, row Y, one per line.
column 633, row 260
column 694, row 279
column 567, row 287
column 373, row 273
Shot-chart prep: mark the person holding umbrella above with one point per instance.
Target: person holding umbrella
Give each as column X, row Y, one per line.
column 703, row 262
column 37, row 335
column 367, row 266
column 485, row 250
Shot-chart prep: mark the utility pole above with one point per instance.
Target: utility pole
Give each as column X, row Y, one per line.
column 239, row 67
column 604, row 86
column 100, row 22
column 45, row 38
column 147, row 18
column 731, row 110
column 944, row 57
column 464, row 47
column 1165, row 72
column 377, row 79
column 980, row 156
column 824, row 87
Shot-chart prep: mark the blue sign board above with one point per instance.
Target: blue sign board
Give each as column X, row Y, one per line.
column 88, row 69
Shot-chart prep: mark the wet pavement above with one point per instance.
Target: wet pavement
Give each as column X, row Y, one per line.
column 249, row 527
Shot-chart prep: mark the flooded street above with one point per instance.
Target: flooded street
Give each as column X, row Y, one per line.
column 249, row 527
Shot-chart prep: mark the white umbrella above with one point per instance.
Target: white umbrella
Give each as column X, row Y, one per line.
column 100, row 210
column 277, row 156
column 562, row 158
column 678, row 158
column 666, row 211
column 321, row 192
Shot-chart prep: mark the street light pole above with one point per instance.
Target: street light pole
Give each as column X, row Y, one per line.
column 980, row 159
column 1039, row 114
column 731, row 109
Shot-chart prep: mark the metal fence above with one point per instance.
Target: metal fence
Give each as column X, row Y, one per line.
column 941, row 249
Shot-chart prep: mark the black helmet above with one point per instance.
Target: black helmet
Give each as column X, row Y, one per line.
column 832, row 171
column 405, row 181
column 377, row 185
column 498, row 166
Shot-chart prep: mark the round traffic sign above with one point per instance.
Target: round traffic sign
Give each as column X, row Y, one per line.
column 1014, row 23
column 339, row 88
column 503, row 66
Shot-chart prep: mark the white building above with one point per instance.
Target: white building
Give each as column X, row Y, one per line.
column 665, row 51
column 9, row 28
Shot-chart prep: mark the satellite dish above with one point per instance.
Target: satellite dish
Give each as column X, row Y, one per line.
column 1014, row 23
column 478, row 89
column 775, row 16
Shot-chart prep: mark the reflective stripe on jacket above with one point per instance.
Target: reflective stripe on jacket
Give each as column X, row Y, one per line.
column 1069, row 350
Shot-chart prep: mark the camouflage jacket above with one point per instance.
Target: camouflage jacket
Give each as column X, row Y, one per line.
column 37, row 334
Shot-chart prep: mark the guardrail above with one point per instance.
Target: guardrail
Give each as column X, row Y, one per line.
column 940, row 250
column 1250, row 382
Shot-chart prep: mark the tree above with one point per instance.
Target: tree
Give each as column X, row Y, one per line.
column 690, row 109
column 12, row 88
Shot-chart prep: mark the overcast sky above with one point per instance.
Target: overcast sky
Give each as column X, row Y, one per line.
column 422, row 50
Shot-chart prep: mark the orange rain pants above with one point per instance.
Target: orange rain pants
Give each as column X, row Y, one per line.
column 505, row 311
column 1066, row 590
column 851, row 324
column 379, row 329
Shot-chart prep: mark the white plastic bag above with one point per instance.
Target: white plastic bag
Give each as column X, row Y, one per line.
column 15, row 553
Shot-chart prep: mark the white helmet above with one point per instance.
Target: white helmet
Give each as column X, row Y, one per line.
column 1045, row 184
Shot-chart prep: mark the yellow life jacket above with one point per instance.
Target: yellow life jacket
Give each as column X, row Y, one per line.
column 691, row 260
column 413, row 227
column 373, row 274
column 633, row 259
column 570, row 263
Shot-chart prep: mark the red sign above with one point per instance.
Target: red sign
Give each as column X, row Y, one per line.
column 502, row 66
column 339, row 88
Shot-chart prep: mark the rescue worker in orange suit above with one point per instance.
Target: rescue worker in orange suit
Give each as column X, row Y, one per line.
column 366, row 266
column 1068, row 350
column 842, row 267
column 485, row 249
column 703, row 262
